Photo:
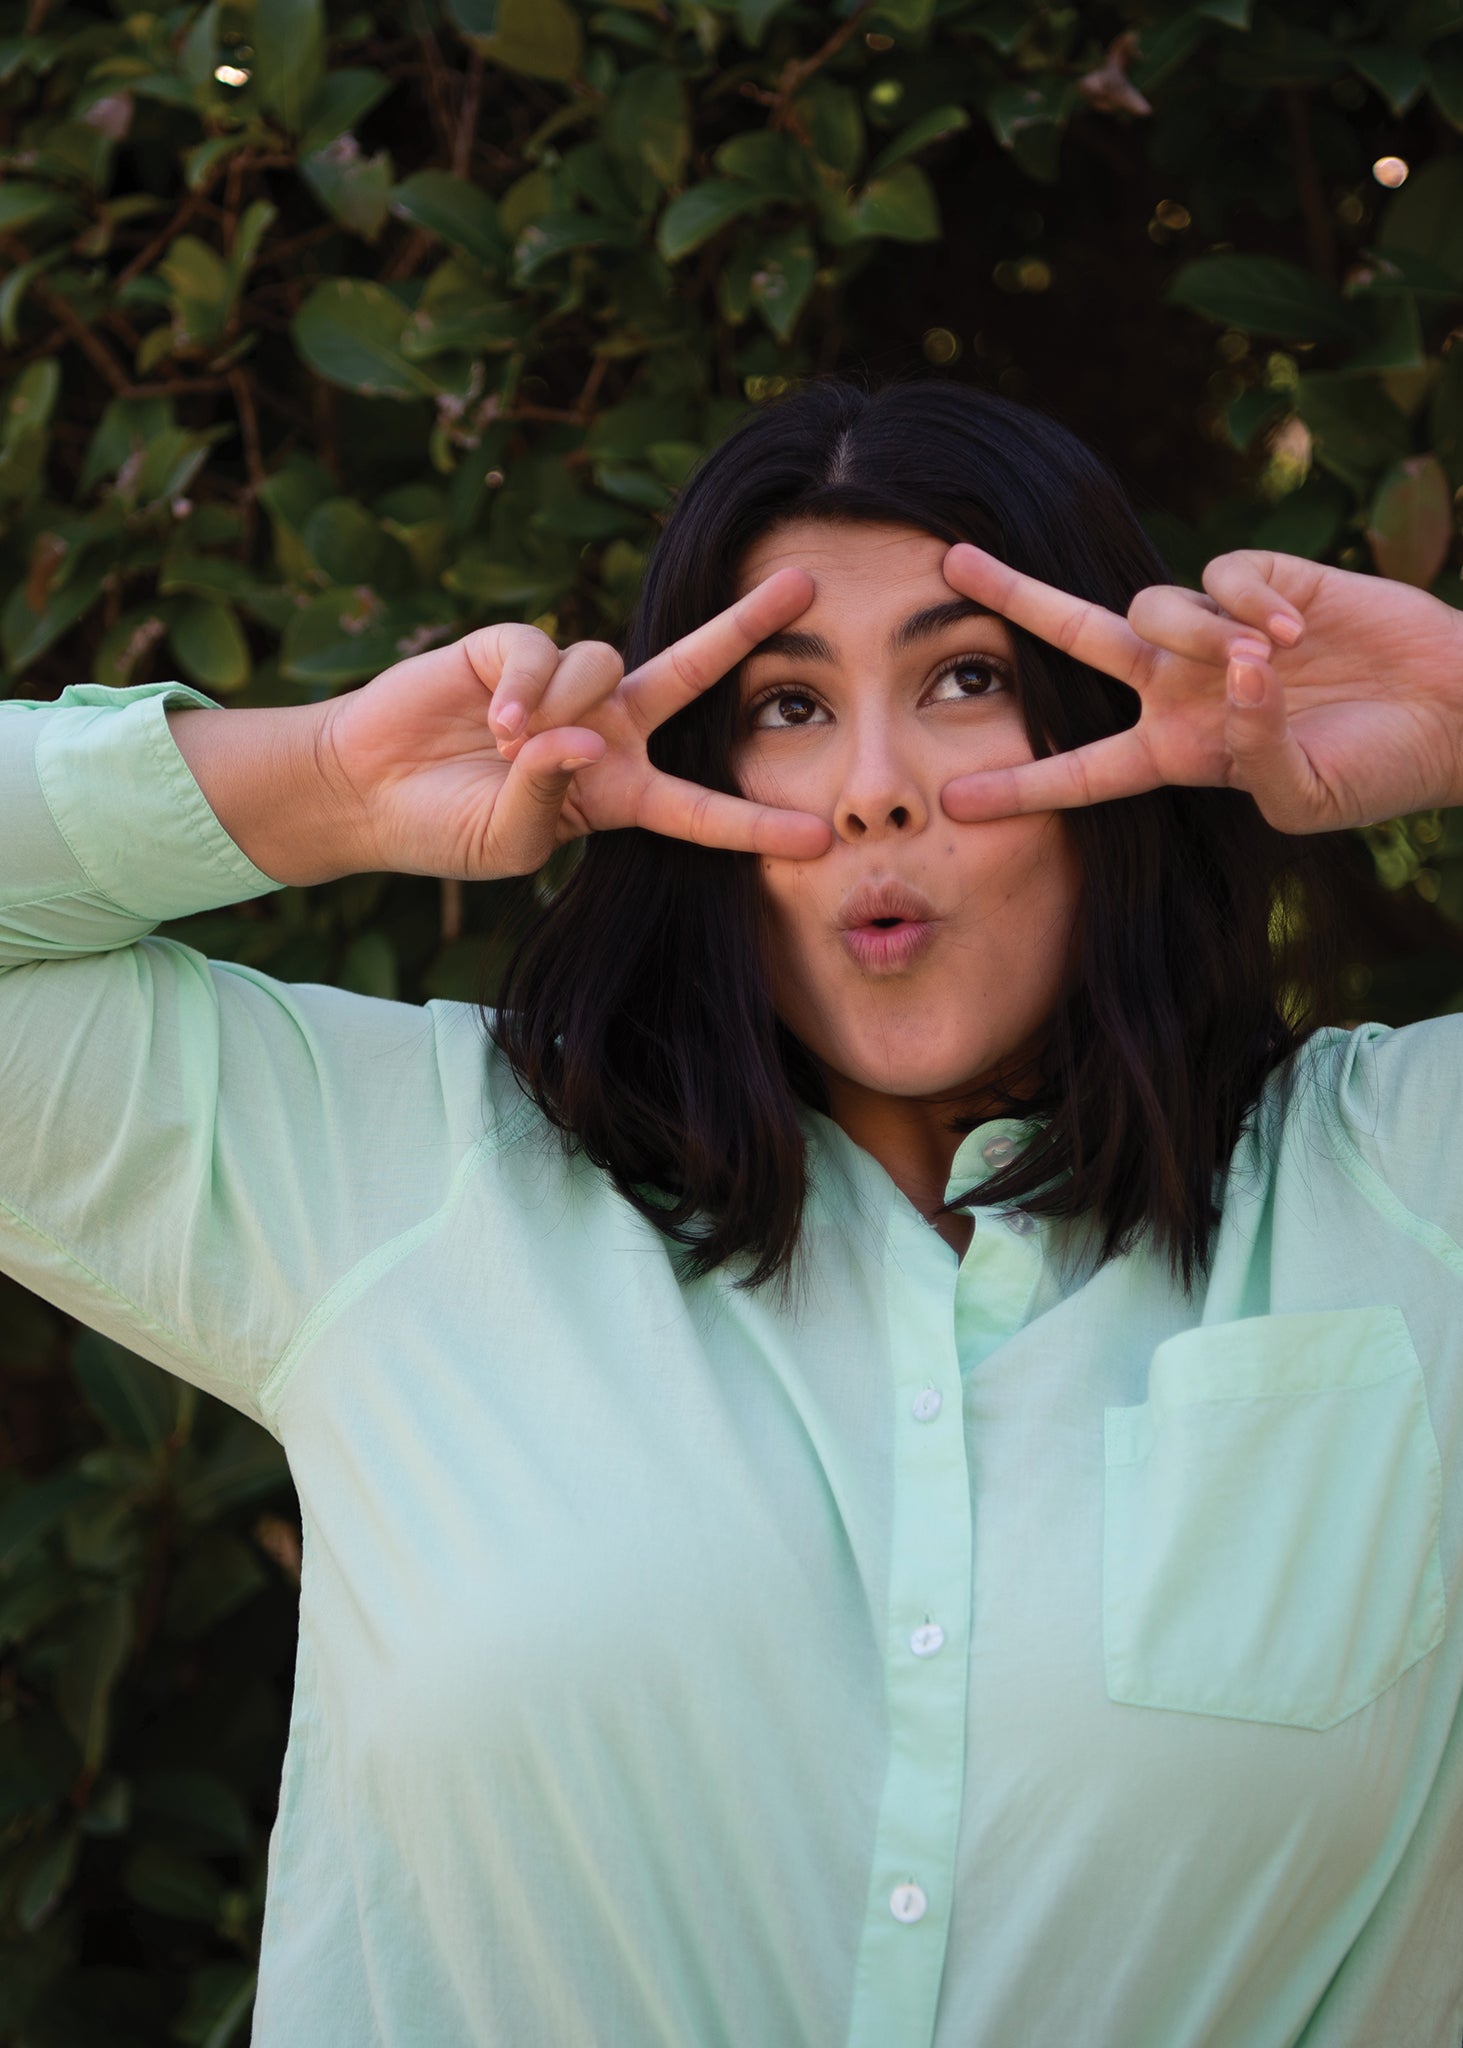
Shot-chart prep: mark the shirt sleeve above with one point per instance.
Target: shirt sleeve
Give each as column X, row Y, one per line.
column 191, row 1153
column 1398, row 1096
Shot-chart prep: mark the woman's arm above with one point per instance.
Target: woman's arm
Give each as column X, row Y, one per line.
column 266, row 777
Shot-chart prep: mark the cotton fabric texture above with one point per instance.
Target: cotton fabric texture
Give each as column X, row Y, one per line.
column 972, row 1650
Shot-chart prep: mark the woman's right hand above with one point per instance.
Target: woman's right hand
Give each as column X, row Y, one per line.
column 477, row 759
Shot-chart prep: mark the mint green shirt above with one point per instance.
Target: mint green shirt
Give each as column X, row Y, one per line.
column 972, row 1653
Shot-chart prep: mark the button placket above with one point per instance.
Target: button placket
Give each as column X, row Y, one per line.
column 926, row 1669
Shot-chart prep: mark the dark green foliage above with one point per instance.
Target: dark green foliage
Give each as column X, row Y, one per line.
column 330, row 331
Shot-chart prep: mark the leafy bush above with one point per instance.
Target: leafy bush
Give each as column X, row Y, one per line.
column 330, row 332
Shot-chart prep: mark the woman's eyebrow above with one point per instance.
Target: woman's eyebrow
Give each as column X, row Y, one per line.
column 934, row 619
column 794, row 645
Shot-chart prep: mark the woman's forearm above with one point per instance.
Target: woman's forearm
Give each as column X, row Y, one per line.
column 266, row 778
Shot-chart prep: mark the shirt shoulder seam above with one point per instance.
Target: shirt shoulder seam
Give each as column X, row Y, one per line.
column 1370, row 1185
column 373, row 1265
column 143, row 1318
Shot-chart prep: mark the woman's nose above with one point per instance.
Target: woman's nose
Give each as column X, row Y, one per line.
column 880, row 797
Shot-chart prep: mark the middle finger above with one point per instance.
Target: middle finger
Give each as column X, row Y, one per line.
column 1186, row 622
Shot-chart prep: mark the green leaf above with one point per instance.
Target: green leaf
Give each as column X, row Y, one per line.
column 134, row 1401
column 88, row 1671
column 1445, row 83
column 774, row 164
column 539, row 38
column 1410, row 526
column 932, row 127
column 344, row 100
column 220, row 1996
column 48, row 1872
column 210, row 646
column 909, row 15
column 1390, row 334
column 647, row 121
column 22, row 205
column 31, row 400
column 289, row 57
column 834, row 122
column 783, row 279
column 349, row 330
column 355, row 189
column 1251, row 411
column 898, row 208
column 344, row 541
column 458, row 211
column 1397, row 73
column 1445, row 420
column 26, row 635
column 369, row 966
column 554, row 235
column 481, row 575
column 171, row 460
column 13, row 288
column 695, row 215
column 753, row 17
column 348, row 636
column 1355, row 428
column 1263, row 295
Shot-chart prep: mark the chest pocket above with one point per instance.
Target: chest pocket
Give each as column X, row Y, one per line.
column 1270, row 1533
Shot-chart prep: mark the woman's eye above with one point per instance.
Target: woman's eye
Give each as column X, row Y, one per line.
column 972, row 676
column 786, row 708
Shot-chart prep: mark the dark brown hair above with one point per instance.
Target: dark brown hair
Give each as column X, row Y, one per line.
column 636, row 1011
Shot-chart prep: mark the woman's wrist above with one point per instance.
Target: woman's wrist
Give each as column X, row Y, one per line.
column 266, row 777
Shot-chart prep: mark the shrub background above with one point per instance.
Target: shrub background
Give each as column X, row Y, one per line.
column 330, row 331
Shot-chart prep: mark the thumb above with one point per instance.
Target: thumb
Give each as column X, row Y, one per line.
column 1269, row 761
column 525, row 821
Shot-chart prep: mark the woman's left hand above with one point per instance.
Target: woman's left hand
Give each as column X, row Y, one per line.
column 1334, row 699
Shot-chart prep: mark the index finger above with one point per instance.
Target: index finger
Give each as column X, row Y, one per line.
column 711, row 817
column 1095, row 774
column 670, row 680
column 1077, row 626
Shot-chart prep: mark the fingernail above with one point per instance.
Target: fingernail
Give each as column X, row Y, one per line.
column 577, row 761
column 509, row 719
column 1248, row 650
column 1246, row 685
column 1285, row 629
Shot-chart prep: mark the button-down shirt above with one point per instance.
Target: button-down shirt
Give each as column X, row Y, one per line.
column 961, row 1652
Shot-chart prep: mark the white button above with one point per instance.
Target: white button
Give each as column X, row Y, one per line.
column 997, row 1151
column 907, row 1903
column 1018, row 1221
column 927, row 1638
column 927, row 1404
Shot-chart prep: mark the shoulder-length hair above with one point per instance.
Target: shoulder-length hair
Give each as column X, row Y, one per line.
column 637, row 1010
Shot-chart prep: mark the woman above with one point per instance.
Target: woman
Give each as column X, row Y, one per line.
column 925, row 1511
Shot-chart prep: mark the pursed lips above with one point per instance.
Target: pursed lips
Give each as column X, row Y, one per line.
column 886, row 926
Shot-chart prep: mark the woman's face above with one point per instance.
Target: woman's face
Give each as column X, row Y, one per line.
column 918, row 953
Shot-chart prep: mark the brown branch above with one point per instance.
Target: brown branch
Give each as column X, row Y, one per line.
column 1320, row 234
column 241, row 384
column 101, row 359
column 148, row 255
column 467, row 124
column 797, row 71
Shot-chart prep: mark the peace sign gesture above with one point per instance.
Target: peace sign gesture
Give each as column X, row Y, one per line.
column 476, row 759
column 1334, row 699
